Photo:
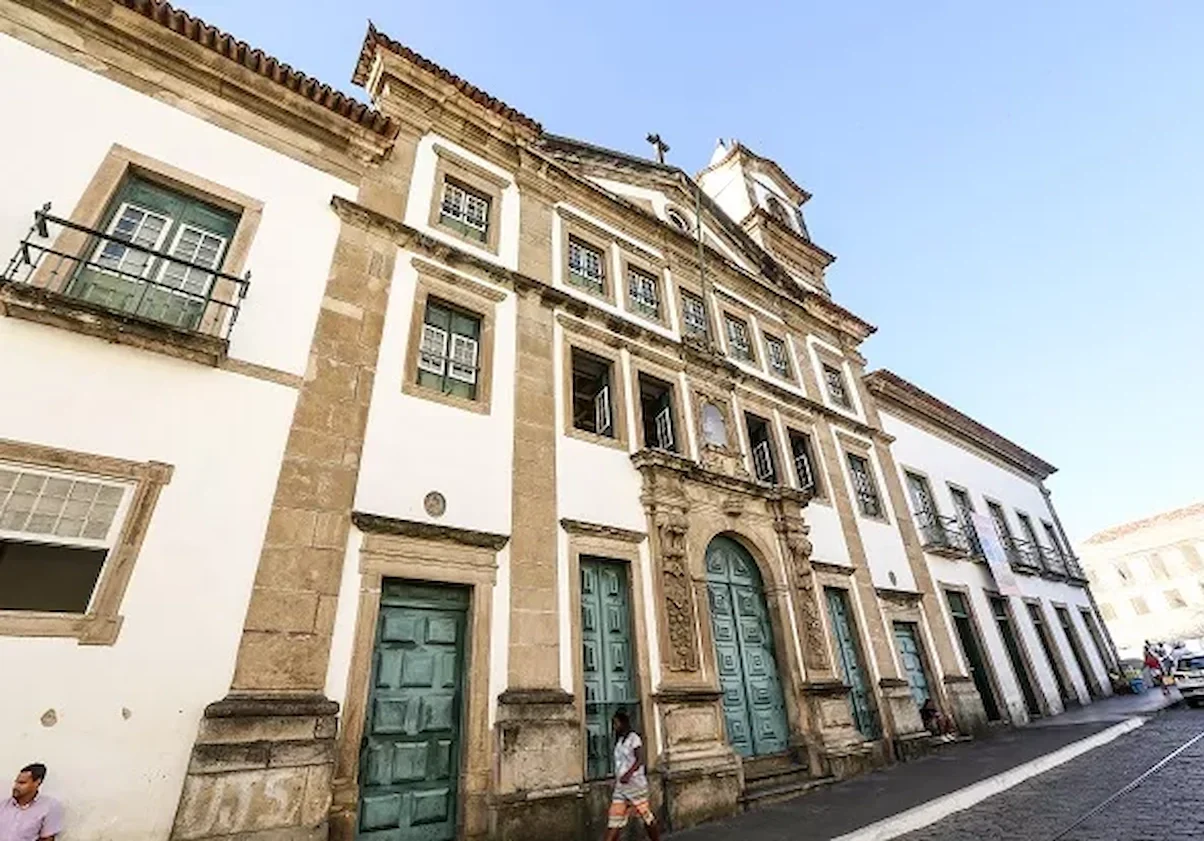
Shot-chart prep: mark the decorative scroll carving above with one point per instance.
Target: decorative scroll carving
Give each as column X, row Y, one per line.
column 798, row 546
column 671, row 528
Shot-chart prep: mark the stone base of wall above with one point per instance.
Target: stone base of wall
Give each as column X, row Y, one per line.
column 694, row 795
column 901, row 710
column 261, row 770
column 966, row 705
column 539, row 793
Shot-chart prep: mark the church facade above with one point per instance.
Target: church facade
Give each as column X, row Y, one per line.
column 372, row 457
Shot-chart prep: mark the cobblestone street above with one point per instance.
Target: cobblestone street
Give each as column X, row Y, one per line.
column 1167, row 805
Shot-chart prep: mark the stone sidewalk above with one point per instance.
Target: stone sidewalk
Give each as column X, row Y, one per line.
column 857, row 803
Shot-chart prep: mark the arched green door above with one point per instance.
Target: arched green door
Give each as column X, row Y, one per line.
column 754, row 709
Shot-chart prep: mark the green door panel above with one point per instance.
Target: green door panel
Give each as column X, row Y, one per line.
column 606, row 658
column 959, row 609
column 754, row 708
column 861, row 699
column 409, row 758
column 907, row 641
column 1003, row 621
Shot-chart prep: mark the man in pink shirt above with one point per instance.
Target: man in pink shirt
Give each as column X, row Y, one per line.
column 28, row 815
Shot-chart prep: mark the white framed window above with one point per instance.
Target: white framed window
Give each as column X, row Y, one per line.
column 138, row 226
column 449, row 350
column 56, row 532
column 642, row 290
column 775, row 352
column 465, row 210
column 587, row 267
column 694, row 314
column 664, row 429
column 837, row 390
column 737, row 338
column 644, row 296
column 602, row 419
column 593, row 407
column 864, row 486
column 763, row 462
column 197, row 246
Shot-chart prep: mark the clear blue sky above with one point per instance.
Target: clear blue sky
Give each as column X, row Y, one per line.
column 1014, row 194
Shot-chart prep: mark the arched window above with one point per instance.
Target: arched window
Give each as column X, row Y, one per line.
column 714, row 429
column 678, row 221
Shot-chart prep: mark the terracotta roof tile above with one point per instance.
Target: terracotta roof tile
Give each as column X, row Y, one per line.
column 257, row 61
column 376, row 38
column 1116, row 532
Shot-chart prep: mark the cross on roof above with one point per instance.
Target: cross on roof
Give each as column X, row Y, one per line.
column 661, row 146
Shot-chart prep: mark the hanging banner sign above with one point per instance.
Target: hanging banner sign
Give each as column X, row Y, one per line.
column 996, row 555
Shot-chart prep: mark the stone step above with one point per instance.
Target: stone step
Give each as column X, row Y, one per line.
column 787, row 788
column 759, row 766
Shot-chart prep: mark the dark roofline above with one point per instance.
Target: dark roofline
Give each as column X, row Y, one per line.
column 891, row 387
column 761, row 258
column 375, row 38
column 738, row 147
column 1134, row 526
column 257, row 61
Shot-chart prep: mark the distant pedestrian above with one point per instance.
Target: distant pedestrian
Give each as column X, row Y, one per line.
column 1153, row 665
column 631, row 782
column 935, row 721
column 29, row 815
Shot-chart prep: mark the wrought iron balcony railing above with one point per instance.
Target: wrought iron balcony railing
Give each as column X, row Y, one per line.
column 1024, row 556
column 942, row 535
column 1073, row 568
column 1052, row 561
column 111, row 273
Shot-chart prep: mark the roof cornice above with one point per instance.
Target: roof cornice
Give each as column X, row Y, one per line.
column 893, row 389
column 375, row 40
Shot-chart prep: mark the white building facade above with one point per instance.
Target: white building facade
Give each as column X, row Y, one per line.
column 370, row 458
column 1040, row 647
column 1149, row 578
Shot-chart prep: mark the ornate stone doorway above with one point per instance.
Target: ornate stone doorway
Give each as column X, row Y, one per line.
column 754, row 708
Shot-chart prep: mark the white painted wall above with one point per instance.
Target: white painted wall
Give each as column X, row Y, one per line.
column 120, row 775
column 290, row 256
column 184, row 608
column 413, row 445
column 422, row 189
column 882, row 540
column 944, row 462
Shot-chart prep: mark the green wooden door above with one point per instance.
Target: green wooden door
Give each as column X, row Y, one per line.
column 607, row 659
column 908, row 643
column 409, row 758
column 861, row 699
column 959, row 609
column 1003, row 620
column 754, row 708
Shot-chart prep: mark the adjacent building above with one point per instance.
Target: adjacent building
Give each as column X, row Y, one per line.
column 370, row 457
column 1149, row 578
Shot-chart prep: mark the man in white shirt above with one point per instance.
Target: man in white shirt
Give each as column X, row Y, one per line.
column 631, row 782
column 29, row 815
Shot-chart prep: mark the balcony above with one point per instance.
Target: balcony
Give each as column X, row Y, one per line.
column 942, row 536
column 1023, row 556
column 1052, row 562
column 105, row 285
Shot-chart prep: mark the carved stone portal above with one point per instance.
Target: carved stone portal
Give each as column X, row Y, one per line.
column 671, row 528
column 798, row 550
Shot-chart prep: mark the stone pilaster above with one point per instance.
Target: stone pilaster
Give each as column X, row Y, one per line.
column 538, row 792
column 264, row 757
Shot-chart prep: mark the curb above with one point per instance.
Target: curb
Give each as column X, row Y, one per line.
column 934, row 810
